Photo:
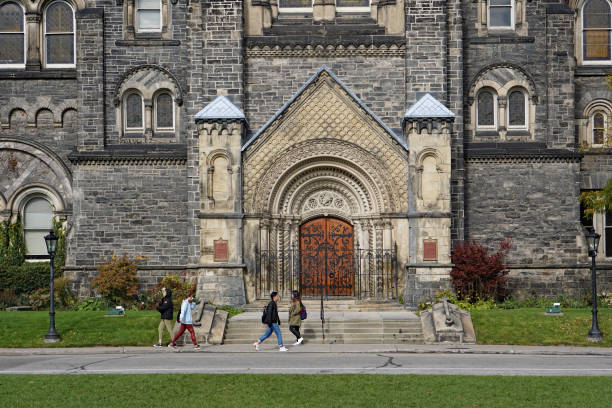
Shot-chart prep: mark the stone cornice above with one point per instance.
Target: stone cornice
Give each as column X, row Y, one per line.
column 135, row 155
column 522, row 152
column 324, row 46
column 326, row 51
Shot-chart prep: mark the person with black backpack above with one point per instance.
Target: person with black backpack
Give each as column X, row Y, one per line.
column 166, row 308
column 295, row 317
column 270, row 318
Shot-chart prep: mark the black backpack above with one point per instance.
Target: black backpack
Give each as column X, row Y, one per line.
column 264, row 315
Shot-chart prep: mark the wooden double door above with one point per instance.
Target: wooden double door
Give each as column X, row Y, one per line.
column 327, row 258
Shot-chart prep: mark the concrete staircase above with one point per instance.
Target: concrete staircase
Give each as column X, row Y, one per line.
column 346, row 321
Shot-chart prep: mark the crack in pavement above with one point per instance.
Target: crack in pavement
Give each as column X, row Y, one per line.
column 84, row 366
column 389, row 362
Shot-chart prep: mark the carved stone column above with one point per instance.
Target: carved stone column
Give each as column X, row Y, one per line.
column 148, row 133
column 33, row 35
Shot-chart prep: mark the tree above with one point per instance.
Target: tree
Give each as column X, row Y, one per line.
column 597, row 201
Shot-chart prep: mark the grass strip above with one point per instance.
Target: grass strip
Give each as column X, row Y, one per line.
column 533, row 327
column 163, row 390
column 139, row 328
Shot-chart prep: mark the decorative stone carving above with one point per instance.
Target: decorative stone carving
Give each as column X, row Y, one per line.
column 444, row 322
column 325, row 127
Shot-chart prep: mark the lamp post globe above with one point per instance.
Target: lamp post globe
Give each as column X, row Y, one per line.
column 595, row 335
column 52, row 335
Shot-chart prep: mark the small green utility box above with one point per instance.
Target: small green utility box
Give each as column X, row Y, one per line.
column 555, row 310
column 116, row 312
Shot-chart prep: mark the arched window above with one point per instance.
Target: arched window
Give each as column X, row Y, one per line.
column 59, row 38
column 501, row 14
column 486, row 110
column 598, row 127
column 517, row 109
column 596, row 25
column 134, row 112
column 148, row 15
column 164, row 112
column 12, row 36
column 37, row 221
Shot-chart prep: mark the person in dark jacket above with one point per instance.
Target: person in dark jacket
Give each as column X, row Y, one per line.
column 166, row 309
column 273, row 322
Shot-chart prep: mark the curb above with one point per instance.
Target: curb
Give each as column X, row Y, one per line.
column 323, row 348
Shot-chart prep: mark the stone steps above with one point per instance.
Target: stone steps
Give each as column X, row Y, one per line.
column 340, row 327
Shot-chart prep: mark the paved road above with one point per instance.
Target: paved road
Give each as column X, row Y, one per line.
column 309, row 363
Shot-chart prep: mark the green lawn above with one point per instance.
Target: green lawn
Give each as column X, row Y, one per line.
column 532, row 327
column 81, row 329
column 199, row 390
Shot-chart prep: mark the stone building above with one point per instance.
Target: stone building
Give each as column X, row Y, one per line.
column 333, row 146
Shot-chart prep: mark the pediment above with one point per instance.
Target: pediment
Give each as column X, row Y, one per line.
column 324, row 122
column 325, row 101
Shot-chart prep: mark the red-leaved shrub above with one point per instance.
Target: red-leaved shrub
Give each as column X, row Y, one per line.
column 478, row 275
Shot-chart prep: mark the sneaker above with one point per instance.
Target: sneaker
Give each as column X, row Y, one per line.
column 196, row 347
column 299, row 341
column 256, row 345
column 283, row 348
column 172, row 345
column 158, row 345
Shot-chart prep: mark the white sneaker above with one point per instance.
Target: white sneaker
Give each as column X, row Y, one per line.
column 283, row 348
column 256, row 345
column 300, row 340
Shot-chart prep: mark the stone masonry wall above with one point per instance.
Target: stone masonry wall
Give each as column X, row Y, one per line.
column 535, row 203
column 131, row 209
column 271, row 82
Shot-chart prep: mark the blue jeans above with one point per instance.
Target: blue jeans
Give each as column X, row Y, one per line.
column 276, row 328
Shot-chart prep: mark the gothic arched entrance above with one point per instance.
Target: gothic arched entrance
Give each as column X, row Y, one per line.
column 327, row 258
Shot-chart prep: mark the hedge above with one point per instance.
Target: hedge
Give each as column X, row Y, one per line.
column 25, row 278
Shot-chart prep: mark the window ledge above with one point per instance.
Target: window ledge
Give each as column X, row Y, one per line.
column 66, row 73
column 592, row 70
column 502, row 38
column 150, row 42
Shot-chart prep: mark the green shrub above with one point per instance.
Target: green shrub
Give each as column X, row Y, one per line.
column 92, row 304
column 8, row 298
column 233, row 311
column 59, row 261
column 473, row 304
column 16, row 248
column 24, row 278
column 181, row 289
column 117, row 280
column 64, row 298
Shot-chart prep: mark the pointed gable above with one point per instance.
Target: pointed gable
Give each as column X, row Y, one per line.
column 220, row 109
column 428, row 107
column 323, row 71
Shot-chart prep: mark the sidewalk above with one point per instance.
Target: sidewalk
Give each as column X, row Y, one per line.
column 328, row 348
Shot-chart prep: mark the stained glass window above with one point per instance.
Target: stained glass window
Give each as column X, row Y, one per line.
column 516, row 109
column 486, row 109
column 133, row 111
column 148, row 15
column 12, row 34
column 599, row 128
column 59, row 34
column 352, row 3
column 500, row 13
column 596, row 30
column 164, row 115
column 295, row 3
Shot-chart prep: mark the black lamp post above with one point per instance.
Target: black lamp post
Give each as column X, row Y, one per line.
column 52, row 336
column 593, row 243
